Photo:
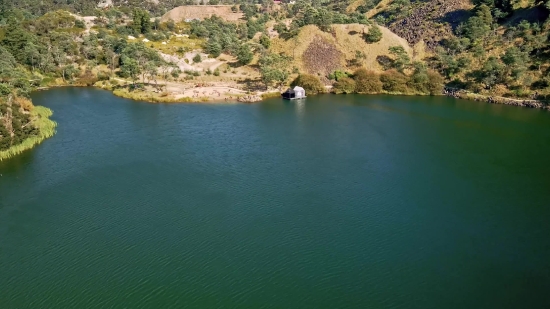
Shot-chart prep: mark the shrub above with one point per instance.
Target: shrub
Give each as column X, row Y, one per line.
column 394, row 81
column 197, row 58
column 310, row 83
column 337, row 75
column 367, row 81
column 217, row 72
column 344, row 85
column 374, row 35
column 79, row 24
column 435, row 83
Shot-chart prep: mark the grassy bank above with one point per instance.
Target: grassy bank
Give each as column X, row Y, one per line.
column 149, row 96
column 46, row 127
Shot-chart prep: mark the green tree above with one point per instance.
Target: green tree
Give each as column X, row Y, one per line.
column 274, row 68
column 374, row 35
column 197, row 58
column 265, row 41
column 244, row 54
column 214, row 48
column 367, row 81
column 130, row 68
column 310, row 83
column 344, row 85
column 401, row 59
column 394, row 81
column 141, row 21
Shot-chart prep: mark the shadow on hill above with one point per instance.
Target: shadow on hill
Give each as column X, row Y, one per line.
column 253, row 85
column 532, row 15
column 455, row 18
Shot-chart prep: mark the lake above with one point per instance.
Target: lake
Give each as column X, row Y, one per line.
column 335, row 202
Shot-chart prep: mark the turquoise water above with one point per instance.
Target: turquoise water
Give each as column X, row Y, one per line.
column 338, row 202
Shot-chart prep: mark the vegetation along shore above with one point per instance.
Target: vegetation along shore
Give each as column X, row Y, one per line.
column 244, row 51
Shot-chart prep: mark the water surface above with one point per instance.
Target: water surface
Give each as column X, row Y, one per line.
column 338, row 202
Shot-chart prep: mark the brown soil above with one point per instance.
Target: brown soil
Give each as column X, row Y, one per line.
column 322, row 57
column 201, row 12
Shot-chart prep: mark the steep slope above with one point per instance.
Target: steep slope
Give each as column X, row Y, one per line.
column 182, row 13
column 319, row 52
column 431, row 21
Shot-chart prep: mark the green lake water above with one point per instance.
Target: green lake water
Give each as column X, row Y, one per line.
column 335, row 202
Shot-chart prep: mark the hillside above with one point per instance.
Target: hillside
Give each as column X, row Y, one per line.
column 431, row 21
column 318, row 52
column 201, row 12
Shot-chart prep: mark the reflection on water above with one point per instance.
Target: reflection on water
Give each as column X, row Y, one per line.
column 300, row 107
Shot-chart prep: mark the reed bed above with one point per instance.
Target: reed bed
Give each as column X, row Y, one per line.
column 150, row 97
column 269, row 95
column 46, row 127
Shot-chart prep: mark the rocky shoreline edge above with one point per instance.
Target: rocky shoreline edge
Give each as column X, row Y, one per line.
column 463, row 94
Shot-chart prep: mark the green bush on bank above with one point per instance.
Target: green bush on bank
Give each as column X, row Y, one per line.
column 310, row 83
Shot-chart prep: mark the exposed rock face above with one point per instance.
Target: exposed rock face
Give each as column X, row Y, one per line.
column 249, row 99
column 322, row 57
column 190, row 12
column 431, row 21
column 462, row 94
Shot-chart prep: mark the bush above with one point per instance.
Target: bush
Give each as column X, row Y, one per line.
column 394, row 81
column 79, row 24
column 344, row 85
column 310, row 83
column 217, row 72
column 367, row 81
column 337, row 75
column 374, row 35
column 197, row 58
column 435, row 83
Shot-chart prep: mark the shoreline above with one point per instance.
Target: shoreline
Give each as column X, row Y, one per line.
column 241, row 96
column 43, row 123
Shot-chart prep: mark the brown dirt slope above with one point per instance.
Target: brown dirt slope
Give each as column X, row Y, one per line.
column 315, row 51
column 182, row 13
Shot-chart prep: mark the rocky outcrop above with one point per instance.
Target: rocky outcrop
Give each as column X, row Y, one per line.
column 463, row 94
column 249, row 98
column 431, row 21
column 322, row 57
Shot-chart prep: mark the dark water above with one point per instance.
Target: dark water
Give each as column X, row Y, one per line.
column 341, row 202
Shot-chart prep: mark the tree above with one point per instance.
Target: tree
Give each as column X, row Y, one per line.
column 401, row 60
column 141, row 21
column 274, row 68
column 344, row 85
column 394, row 81
column 310, row 83
column 244, row 54
column 214, row 48
column 130, row 68
column 419, row 78
column 367, row 81
column 323, row 19
column 264, row 41
column 435, row 83
column 16, row 38
column 374, row 35
column 197, row 58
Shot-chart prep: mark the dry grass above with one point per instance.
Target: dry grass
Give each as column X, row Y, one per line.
column 347, row 39
column 201, row 12
column 379, row 8
column 174, row 44
column 40, row 116
column 150, row 96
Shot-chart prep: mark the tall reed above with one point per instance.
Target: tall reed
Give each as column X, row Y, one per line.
column 45, row 126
